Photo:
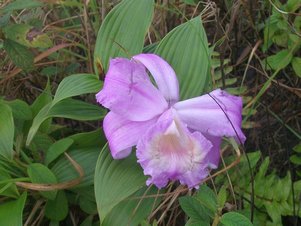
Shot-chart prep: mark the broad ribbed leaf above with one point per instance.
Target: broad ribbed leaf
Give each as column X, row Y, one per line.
column 6, row 131
column 21, row 4
column 115, row 180
column 57, row 209
column 85, row 157
column 20, row 109
column 40, row 174
column 11, row 212
column 185, row 48
column 94, row 138
column 133, row 210
column 57, row 149
column 68, row 108
column 76, row 109
column 8, row 189
column 122, row 32
column 75, row 85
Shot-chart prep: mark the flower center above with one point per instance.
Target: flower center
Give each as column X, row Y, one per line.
column 170, row 144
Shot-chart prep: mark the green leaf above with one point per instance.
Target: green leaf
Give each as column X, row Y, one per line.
column 57, row 209
column 27, row 35
column 86, row 157
column 185, row 48
column 42, row 100
column 87, row 205
column 296, row 63
column 207, row 197
column 4, row 19
column 222, row 196
column 40, row 174
column 75, row 85
column 195, row 210
column 280, row 60
column 293, row 5
column 68, row 108
column 57, row 149
column 7, row 189
column 235, row 219
column 20, row 55
column 11, row 212
column 115, row 180
column 21, row 5
column 89, row 139
column 274, row 212
column 297, row 148
column 134, row 209
column 60, row 107
column 295, row 159
column 6, row 131
column 20, row 109
column 76, row 109
column 88, row 221
column 122, row 32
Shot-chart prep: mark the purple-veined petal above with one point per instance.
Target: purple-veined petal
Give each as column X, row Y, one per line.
column 169, row 151
column 163, row 74
column 213, row 157
column 123, row 134
column 129, row 92
column 217, row 113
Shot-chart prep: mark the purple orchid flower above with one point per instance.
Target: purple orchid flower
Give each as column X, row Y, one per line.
column 176, row 140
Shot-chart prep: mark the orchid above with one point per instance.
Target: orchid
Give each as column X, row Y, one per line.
column 175, row 140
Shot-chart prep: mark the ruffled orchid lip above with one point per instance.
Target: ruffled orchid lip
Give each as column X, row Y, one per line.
column 168, row 133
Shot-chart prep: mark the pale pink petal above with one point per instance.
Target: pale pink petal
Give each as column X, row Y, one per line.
column 123, row 134
column 169, row 151
column 163, row 74
column 217, row 113
column 128, row 91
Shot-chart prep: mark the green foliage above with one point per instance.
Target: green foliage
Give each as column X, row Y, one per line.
column 21, row 4
column 235, row 219
column 6, row 131
column 273, row 195
column 115, row 180
column 19, row 54
column 185, row 48
column 134, row 209
column 87, row 157
column 202, row 209
column 296, row 158
column 11, row 212
column 40, row 174
column 33, row 142
column 57, row 209
column 56, row 149
column 27, row 35
column 281, row 32
column 122, row 32
column 71, row 86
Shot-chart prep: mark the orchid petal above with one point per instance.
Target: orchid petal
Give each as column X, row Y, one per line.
column 163, row 74
column 217, row 113
column 129, row 92
column 169, row 151
column 123, row 134
column 213, row 156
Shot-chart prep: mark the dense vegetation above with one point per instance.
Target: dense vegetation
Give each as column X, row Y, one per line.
column 55, row 164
